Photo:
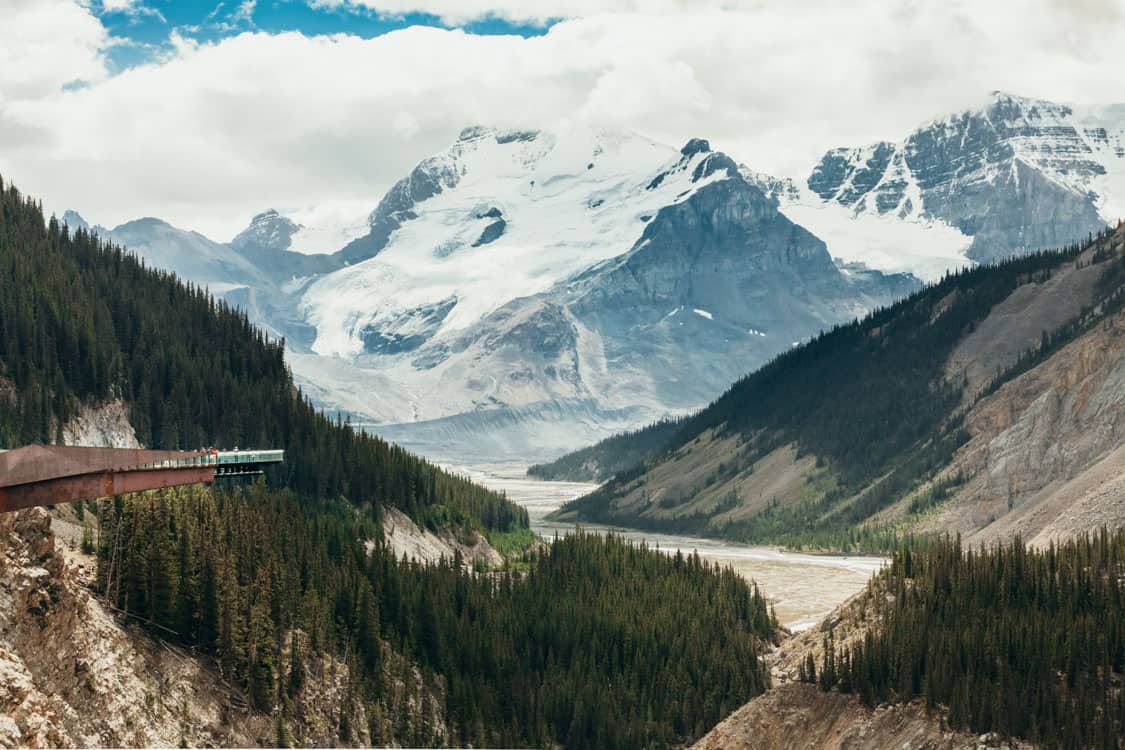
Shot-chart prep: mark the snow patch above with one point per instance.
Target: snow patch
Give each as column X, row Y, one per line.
column 329, row 227
column 928, row 248
column 219, row 288
column 703, row 313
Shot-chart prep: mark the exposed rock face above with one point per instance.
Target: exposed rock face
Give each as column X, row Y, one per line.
column 72, row 675
column 716, row 285
column 419, row 545
column 268, row 244
column 1046, row 455
column 1017, row 175
column 801, row 717
column 1045, row 459
column 426, row 180
column 268, row 230
column 105, row 426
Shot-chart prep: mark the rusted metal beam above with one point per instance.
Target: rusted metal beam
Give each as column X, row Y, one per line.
column 104, row 484
column 36, row 463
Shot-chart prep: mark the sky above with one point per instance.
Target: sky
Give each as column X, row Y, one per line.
column 204, row 113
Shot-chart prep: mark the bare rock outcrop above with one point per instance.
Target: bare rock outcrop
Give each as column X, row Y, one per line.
column 103, row 426
column 801, row 717
column 1045, row 456
column 72, row 675
column 419, row 545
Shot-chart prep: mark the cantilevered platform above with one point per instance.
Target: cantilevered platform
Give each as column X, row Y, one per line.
column 52, row 474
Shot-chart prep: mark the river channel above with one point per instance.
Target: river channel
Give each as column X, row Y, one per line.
column 802, row 587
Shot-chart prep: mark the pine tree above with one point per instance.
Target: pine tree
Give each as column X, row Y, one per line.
column 296, row 666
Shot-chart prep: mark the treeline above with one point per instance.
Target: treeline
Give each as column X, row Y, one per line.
column 83, row 322
column 1011, row 640
column 869, row 399
column 604, row 459
column 602, row 644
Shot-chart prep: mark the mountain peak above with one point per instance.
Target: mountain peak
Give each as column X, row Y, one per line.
column 1027, row 159
column 472, row 132
column 501, row 135
column 74, row 220
column 695, row 146
column 267, row 229
column 269, row 213
column 1015, row 107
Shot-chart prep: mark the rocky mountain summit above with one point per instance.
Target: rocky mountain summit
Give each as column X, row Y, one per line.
column 575, row 274
column 1013, row 176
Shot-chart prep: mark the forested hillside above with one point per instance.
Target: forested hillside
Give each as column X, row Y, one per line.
column 600, row 645
column 592, row 643
column 1020, row 642
column 808, row 449
column 606, row 458
column 84, row 322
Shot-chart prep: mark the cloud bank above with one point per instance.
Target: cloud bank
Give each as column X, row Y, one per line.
column 215, row 132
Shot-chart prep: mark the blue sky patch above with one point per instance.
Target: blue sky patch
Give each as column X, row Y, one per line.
column 142, row 33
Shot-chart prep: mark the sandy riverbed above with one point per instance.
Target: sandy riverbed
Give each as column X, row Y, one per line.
column 802, row 587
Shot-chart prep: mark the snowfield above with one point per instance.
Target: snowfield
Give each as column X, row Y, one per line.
column 567, row 200
column 923, row 246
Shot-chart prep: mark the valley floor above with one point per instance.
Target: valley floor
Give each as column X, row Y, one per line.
column 802, row 588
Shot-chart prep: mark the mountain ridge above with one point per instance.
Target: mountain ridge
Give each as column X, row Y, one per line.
column 493, row 279
column 1013, row 176
column 761, row 465
column 523, row 272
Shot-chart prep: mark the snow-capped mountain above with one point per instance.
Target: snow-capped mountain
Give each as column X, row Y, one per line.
column 501, row 215
column 529, row 291
column 582, row 280
column 1014, row 176
column 270, row 230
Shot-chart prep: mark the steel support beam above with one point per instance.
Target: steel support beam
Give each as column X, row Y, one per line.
column 104, row 484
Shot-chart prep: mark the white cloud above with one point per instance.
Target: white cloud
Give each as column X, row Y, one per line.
column 118, row 6
column 534, row 11
column 129, row 7
column 47, row 44
column 219, row 131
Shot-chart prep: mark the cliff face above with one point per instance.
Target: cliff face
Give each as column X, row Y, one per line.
column 801, row 717
column 1047, row 455
column 104, row 426
column 75, row 674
